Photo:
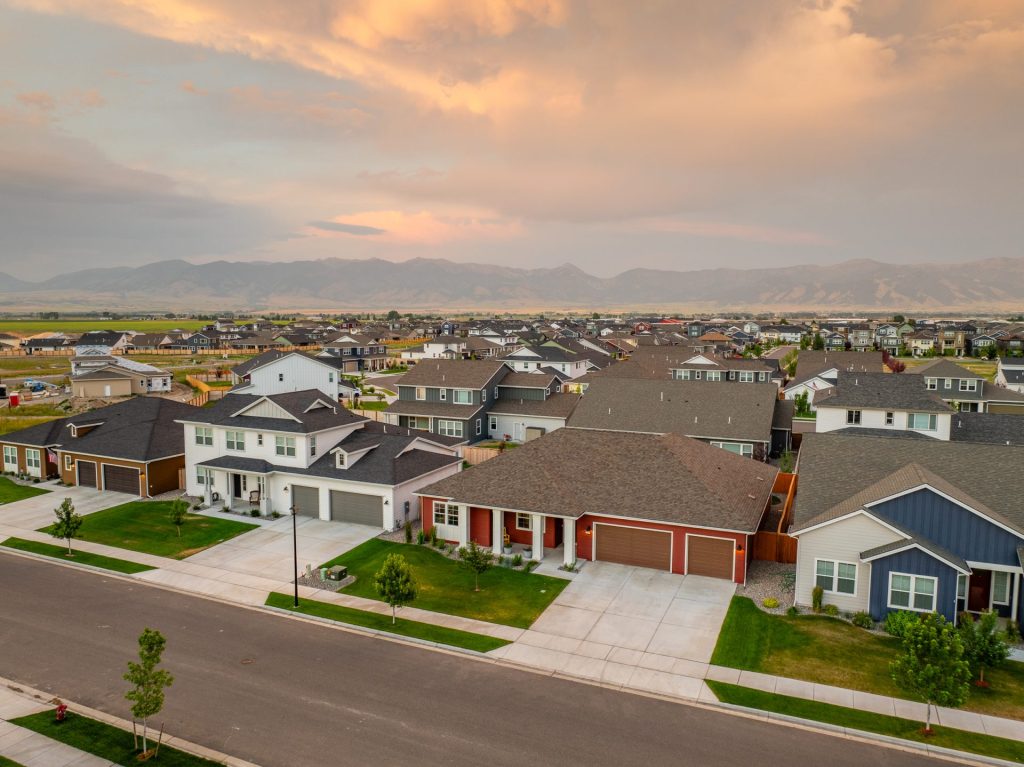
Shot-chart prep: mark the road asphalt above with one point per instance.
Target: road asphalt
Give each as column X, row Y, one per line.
column 277, row 691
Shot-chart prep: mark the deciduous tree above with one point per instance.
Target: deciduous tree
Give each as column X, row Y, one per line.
column 147, row 693
column 984, row 647
column 67, row 524
column 477, row 560
column 394, row 583
column 932, row 666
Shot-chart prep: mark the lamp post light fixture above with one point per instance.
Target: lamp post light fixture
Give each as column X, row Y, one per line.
column 295, row 550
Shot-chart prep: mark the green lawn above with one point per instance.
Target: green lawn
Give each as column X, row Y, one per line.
column 416, row 629
column 510, row 597
column 81, row 557
column 12, row 491
column 820, row 649
column 370, row 404
column 28, row 327
column 52, row 407
column 104, row 740
column 5, row 762
column 944, row 737
column 146, row 526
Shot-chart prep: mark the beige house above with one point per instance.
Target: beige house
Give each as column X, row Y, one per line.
column 116, row 381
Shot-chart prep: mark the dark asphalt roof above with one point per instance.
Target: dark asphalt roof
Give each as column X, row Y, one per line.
column 138, row 429
column 943, row 368
column 782, row 418
column 881, row 391
column 689, row 408
column 528, row 380
column 1013, row 376
column 988, row 475
column 555, row 474
column 994, row 428
column 555, row 406
column 453, row 374
column 932, row 548
column 294, row 403
column 810, row 363
column 433, row 409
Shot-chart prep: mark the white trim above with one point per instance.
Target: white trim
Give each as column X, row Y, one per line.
column 61, row 451
column 961, row 504
column 992, row 589
column 911, row 544
column 529, row 521
column 913, row 584
column 850, row 515
column 262, row 399
column 669, row 533
column 94, row 463
column 138, row 477
column 988, row 566
column 835, row 576
column 686, row 561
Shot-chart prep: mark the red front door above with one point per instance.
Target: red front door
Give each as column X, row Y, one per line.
column 978, row 591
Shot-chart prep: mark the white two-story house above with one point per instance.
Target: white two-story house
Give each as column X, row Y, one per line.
column 883, row 402
column 302, row 451
column 276, row 372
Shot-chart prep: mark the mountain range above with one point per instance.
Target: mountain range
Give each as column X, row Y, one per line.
column 993, row 285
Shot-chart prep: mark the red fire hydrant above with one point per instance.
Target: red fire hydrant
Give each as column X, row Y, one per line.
column 62, row 711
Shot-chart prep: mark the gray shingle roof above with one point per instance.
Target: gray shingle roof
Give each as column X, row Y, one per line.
column 881, row 391
column 943, row 368
column 528, row 380
column 932, row 548
column 688, row 408
column 993, row 428
column 555, row 406
column 571, row 472
column 811, row 363
column 840, row 471
column 295, row 403
column 453, row 374
column 433, row 409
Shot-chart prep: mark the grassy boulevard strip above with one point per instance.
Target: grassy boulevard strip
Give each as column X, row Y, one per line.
column 79, row 557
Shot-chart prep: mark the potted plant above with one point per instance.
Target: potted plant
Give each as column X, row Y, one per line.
column 507, row 546
column 528, row 553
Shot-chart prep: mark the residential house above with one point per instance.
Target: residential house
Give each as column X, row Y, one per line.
column 901, row 524
column 1010, row 374
column 112, row 340
column 359, row 352
column 590, row 502
column 922, row 342
column 529, row 358
column 817, row 370
column 966, row 391
column 713, row 368
column 882, row 401
column 528, row 406
column 132, row 447
column 278, row 372
column 302, row 452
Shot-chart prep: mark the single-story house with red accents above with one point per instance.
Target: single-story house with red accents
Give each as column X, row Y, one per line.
column 650, row 500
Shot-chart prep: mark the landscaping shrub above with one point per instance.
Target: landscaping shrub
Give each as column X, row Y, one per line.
column 433, row 536
column 896, row 622
column 793, row 611
column 254, row 512
column 863, row 620
column 770, row 602
column 831, row 610
column 1013, row 632
column 532, row 564
column 817, row 594
column 517, row 560
column 408, row 531
column 421, row 537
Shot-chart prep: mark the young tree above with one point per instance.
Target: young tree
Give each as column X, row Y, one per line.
column 67, row 524
column 477, row 560
column 179, row 513
column 147, row 694
column 394, row 582
column 789, row 362
column 818, row 343
column 932, row 666
column 984, row 647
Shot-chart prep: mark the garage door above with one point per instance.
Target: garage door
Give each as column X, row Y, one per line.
column 87, row 473
column 306, row 500
column 710, row 556
column 633, row 546
column 121, row 479
column 358, row 508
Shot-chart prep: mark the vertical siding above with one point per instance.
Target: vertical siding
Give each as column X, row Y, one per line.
column 952, row 527
column 913, row 562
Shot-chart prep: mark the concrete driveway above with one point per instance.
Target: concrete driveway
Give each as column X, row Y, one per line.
column 37, row 511
column 629, row 626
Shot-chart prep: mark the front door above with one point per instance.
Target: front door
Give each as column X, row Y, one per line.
column 978, row 589
column 517, row 432
column 236, row 485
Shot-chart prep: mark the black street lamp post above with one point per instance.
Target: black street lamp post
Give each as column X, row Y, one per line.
column 295, row 551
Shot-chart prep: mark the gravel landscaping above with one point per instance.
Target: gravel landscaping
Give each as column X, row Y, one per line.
column 770, row 579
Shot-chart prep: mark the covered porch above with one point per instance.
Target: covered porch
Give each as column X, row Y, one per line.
column 239, row 489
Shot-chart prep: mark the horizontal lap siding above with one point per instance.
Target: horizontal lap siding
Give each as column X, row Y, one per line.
column 584, row 542
column 69, row 476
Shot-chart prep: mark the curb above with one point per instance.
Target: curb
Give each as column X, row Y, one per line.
column 81, row 565
column 170, row 740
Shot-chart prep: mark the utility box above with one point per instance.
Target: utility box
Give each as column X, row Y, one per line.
column 337, row 573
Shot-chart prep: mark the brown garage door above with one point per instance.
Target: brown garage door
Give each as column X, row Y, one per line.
column 87, row 473
column 710, row 556
column 633, row 546
column 120, row 479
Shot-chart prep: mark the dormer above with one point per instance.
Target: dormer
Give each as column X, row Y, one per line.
column 81, row 429
column 346, row 459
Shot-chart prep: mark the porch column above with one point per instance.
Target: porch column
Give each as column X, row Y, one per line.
column 538, row 536
column 227, row 490
column 497, row 532
column 463, row 525
column 1014, row 603
column 208, row 489
column 568, row 541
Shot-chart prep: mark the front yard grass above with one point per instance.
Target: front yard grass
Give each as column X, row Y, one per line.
column 12, row 491
column 826, row 650
column 894, row 727
column 5, row 762
column 416, row 629
column 81, row 557
column 146, row 526
column 509, row 597
column 104, row 740
column 365, row 404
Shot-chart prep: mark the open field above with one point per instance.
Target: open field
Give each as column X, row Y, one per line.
column 30, row 327
column 984, row 368
column 16, row 423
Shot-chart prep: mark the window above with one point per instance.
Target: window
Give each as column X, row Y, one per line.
column 202, row 475
column 444, row 394
column 922, row 421
column 68, row 462
column 853, row 417
column 523, row 522
column 968, row 384
column 684, row 375
column 234, row 440
column 32, row 458
column 947, row 383
column 890, row 418
column 740, row 448
column 492, row 424
column 418, row 423
column 835, row 577
column 912, row 592
column 479, row 427
column 762, row 377
column 462, row 397
column 1000, row 588
column 10, row 456
column 280, row 376
column 931, row 383
column 696, row 375
column 446, row 513
column 312, row 444
column 449, row 428
column 746, row 376
column 495, row 392
column 204, row 435
column 259, row 440
column 961, row 587
column 421, row 392
column 483, row 395
column 284, row 446
column 714, row 375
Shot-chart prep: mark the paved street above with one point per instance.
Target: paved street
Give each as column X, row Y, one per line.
column 282, row 692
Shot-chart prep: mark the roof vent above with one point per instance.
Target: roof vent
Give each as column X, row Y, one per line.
column 730, row 419
column 695, row 419
column 751, row 496
column 609, row 411
column 663, row 396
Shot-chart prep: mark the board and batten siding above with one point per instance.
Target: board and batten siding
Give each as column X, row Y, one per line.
column 299, row 373
column 841, row 541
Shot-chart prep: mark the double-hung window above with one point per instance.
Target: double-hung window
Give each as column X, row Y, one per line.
column 835, row 577
column 204, row 435
column 446, row 513
column 284, row 446
column 202, row 475
column 968, row 384
column 890, row 418
column 714, row 375
column 312, row 444
column 492, row 423
column 449, row 428
column 931, row 383
column 523, row 522
column 746, row 376
column 912, row 592
column 462, row 397
column 1000, row 587
column 10, row 458
column 922, row 421
column 443, row 394
column 421, row 392
column 853, row 417
column 32, row 460
column 234, row 440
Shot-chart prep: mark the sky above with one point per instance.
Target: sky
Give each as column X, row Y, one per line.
column 607, row 134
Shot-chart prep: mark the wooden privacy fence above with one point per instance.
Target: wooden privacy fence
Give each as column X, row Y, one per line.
column 475, row 455
column 775, row 545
